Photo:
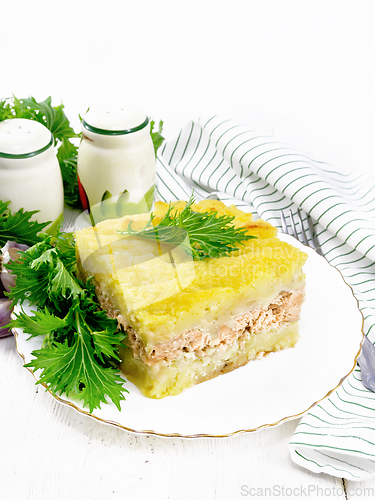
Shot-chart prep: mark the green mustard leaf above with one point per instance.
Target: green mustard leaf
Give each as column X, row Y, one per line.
column 18, row 226
column 73, row 369
column 64, row 284
column 105, row 344
column 79, row 354
column 67, row 157
column 53, row 118
column 5, row 110
column 48, row 257
column 66, row 248
column 31, row 284
column 156, row 136
column 39, row 323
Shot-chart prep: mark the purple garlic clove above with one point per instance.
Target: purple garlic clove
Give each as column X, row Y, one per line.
column 11, row 249
column 366, row 362
column 8, row 280
column 10, row 252
column 2, row 289
column 5, row 312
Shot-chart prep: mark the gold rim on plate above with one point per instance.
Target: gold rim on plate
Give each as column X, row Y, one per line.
column 195, row 436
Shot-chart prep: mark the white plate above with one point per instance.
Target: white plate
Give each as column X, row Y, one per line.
column 265, row 392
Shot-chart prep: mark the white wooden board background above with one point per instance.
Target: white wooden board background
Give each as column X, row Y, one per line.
column 303, row 68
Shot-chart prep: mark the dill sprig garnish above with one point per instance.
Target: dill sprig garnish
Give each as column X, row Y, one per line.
column 201, row 234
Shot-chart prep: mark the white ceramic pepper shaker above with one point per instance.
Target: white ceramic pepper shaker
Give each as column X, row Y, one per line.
column 116, row 162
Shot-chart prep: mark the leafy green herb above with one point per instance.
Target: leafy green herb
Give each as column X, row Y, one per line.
column 18, row 227
column 54, row 118
column 67, row 156
column 5, row 110
column 203, row 235
column 40, row 323
column 156, row 136
column 79, row 354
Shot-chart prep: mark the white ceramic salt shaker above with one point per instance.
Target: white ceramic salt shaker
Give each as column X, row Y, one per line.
column 30, row 176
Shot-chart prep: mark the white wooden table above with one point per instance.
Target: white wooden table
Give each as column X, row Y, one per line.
column 48, row 450
column 304, row 70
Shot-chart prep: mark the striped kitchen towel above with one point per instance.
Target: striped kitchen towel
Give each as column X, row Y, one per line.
column 219, row 158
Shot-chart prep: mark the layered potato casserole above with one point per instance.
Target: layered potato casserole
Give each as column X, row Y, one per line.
column 189, row 320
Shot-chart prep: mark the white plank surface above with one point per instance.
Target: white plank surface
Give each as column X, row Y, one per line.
column 356, row 490
column 49, row 451
column 304, row 67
